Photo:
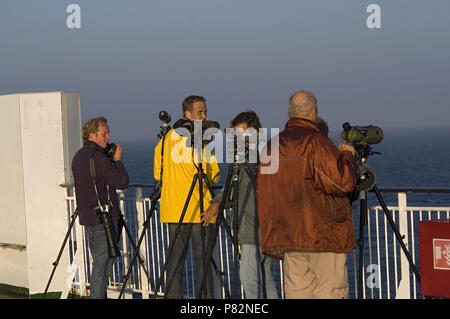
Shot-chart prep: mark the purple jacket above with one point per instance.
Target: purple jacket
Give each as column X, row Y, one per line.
column 107, row 172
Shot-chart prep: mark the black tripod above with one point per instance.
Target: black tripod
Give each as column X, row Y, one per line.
column 367, row 182
column 154, row 197
column 199, row 177
column 231, row 190
column 66, row 237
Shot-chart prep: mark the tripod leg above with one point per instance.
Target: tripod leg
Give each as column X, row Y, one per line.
column 202, row 291
column 172, row 240
column 362, row 223
column 219, row 219
column 55, row 264
column 235, row 230
column 139, row 258
column 396, row 232
column 202, row 229
column 225, row 223
column 136, row 253
column 219, row 275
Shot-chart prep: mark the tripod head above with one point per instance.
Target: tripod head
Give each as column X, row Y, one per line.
column 363, row 151
column 165, row 127
column 366, row 177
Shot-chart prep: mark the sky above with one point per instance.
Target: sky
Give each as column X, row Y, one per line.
column 132, row 59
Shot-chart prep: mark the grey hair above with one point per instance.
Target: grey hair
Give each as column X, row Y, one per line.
column 303, row 109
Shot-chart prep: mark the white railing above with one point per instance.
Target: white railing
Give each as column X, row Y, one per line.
column 387, row 271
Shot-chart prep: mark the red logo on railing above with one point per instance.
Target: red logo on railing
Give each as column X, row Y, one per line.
column 441, row 252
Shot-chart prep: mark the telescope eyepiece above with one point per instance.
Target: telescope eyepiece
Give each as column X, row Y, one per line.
column 346, row 126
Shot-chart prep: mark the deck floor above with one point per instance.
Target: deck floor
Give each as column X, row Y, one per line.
column 8, row 295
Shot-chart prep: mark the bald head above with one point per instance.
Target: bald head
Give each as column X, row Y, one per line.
column 303, row 104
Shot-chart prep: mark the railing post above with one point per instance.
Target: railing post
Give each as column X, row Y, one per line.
column 140, row 215
column 403, row 291
column 77, row 269
column 126, row 251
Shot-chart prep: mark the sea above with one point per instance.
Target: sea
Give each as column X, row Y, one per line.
column 411, row 158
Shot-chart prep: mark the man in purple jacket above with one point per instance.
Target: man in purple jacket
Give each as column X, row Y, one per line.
column 110, row 174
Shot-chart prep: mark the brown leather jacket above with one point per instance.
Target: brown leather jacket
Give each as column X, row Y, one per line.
column 304, row 205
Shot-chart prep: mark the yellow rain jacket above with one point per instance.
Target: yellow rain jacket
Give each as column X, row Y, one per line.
column 178, row 173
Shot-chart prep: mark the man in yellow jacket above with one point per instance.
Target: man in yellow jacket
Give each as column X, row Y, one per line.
column 179, row 166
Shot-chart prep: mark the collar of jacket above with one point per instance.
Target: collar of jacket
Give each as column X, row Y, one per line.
column 297, row 121
column 93, row 145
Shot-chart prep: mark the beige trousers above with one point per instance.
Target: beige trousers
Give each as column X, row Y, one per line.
column 315, row 275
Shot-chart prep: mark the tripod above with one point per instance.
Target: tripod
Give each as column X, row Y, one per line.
column 367, row 181
column 231, row 188
column 154, row 197
column 199, row 177
column 66, row 237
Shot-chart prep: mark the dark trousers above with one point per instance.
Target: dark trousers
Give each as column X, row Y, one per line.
column 175, row 266
column 102, row 264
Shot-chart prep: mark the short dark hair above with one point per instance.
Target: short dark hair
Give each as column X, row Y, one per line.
column 322, row 126
column 190, row 100
column 249, row 117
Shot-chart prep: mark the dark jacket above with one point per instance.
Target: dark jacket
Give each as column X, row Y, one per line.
column 107, row 172
column 248, row 232
column 304, row 205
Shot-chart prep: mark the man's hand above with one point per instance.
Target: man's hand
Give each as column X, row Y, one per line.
column 210, row 213
column 118, row 154
column 344, row 147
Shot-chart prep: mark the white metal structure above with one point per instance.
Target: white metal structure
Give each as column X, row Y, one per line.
column 39, row 134
column 388, row 273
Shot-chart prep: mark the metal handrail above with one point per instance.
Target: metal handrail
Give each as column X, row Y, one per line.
column 384, row 254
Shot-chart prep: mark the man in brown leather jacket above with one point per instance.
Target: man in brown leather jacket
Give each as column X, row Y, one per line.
column 304, row 215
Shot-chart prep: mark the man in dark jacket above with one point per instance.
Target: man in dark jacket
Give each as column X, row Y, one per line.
column 110, row 174
column 254, row 271
column 304, row 214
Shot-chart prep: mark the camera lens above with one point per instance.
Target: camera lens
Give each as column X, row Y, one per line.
column 164, row 116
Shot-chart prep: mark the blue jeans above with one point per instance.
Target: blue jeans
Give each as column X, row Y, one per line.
column 255, row 273
column 102, row 264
